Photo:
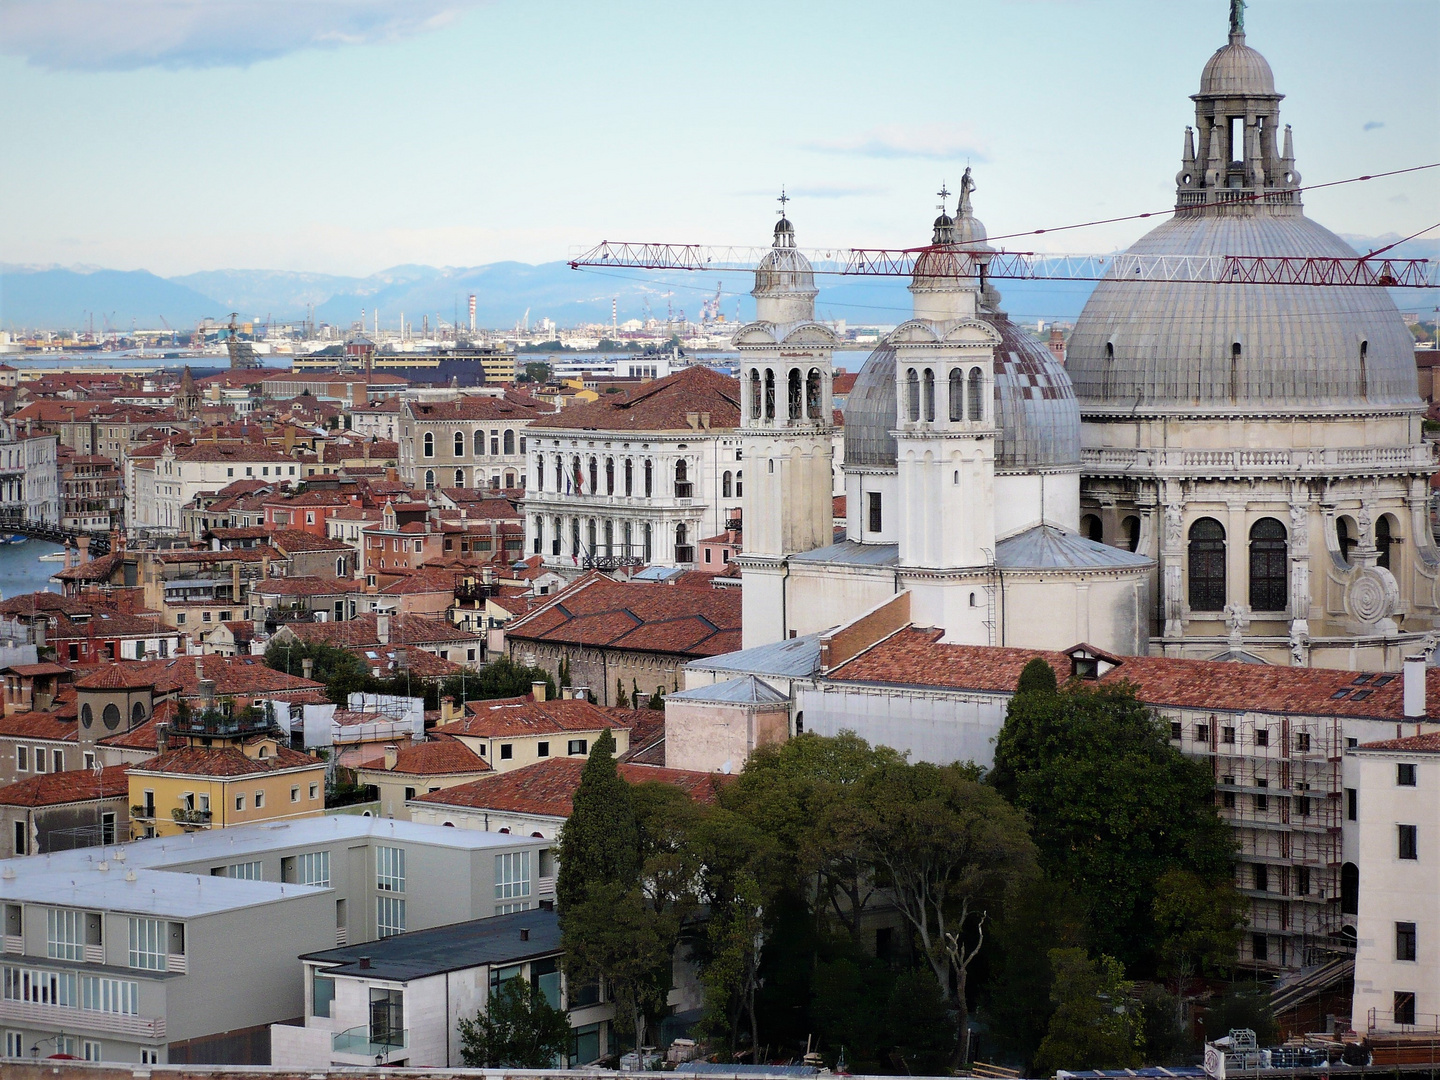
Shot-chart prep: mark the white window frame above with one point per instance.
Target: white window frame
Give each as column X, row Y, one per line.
column 64, row 934
column 512, row 875
column 313, row 868
column 390, row 869
column 149, row 944
column 99, row 994
column 389, row 916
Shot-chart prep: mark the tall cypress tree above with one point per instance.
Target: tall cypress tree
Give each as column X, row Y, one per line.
column 600, row 843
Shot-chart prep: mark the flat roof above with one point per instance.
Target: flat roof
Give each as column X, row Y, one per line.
column 422, row 953
column 75, row 879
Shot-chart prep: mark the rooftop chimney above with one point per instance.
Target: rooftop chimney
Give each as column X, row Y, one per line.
column 364, row 963
column 538, row 690
column 382, row 629
column 162, row 738
column 307, row 668
column 447, row 709
column 524, row 933
column 1414, row 687
column 392, row 758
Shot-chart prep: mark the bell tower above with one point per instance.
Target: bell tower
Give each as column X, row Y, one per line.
column 945, row 426
column 786, row 432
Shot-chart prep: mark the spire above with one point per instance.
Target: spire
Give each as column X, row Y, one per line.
column 944, row 224
column 784, row 231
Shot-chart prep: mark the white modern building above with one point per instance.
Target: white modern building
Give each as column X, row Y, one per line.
column 184, row 949
column 1393, row 835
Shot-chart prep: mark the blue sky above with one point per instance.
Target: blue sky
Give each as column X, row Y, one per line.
column 346, row 136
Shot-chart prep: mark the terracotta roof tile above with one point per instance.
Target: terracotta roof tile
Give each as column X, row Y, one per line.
column 37, row 725
column 224, row 761
column 523, row 716
column 442, row 757
column 1414, row 744
column 662, row 405
column 74, row 785
column 643, row 617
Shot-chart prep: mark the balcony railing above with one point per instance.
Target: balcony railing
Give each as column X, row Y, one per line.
column 191, row 817
column 63, row 1018
column 361, row 1040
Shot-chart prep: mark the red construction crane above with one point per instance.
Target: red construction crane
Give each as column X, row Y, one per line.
column 951, row 260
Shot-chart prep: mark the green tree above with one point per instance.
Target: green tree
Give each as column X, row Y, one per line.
column 1037, row 677
column 1199, row 925
column 537, row 371
column 329, row 663
column 657, row 700
column 519, row 1030
column 599, row 842
column 622, row 699
column 948, row 848
column 501, row 678
column 1112, row 806
column 1093, row 1026
column 921, row 1030
column 1243, row 1005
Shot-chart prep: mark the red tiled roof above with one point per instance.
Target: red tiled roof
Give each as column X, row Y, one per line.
column 916, row 658
column 288, row 540
column 662, row 405
column 637, row 616
column 306, row 586
column 471, row 407
column 72, row 786
column 38, row 669
column 360, row 632
column 224, row 761
column 1414, row 744
column 37, row 725
column 120, row 676
column 524, row 716
column 547, row 788
column 442, row 757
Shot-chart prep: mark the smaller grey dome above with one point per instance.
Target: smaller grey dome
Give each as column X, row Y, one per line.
column 1236, row 70
column 870, row 414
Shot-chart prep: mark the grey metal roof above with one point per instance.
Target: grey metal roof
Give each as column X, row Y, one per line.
column 1035, row 406
column 746, row 690
column 796, row 658
column 422, row 953
column 1048, row 548
column 1300, row 345
column 848, row 552
column 657, row 573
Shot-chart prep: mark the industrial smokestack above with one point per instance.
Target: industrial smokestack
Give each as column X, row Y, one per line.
column 472, row 312
column 1414, row 687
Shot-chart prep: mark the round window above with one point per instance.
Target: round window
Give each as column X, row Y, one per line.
column 87, row 718
column 111, row 716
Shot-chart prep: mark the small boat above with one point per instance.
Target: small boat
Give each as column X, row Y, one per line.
column 15, row 538
column 54, row 556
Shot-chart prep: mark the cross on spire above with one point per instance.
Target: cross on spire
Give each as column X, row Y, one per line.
column 782, row 201
column 944, row 194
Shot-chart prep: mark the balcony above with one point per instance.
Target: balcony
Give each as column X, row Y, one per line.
column 63, row 1018
column 362, row 1042
column 189, row 817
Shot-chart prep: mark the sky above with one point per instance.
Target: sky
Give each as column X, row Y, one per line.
column 348, row 136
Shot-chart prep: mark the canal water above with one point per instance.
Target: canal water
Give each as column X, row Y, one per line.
column 21, row 570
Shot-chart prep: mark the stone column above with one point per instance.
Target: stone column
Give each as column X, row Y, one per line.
column 1299, row 566
column 1171, row 552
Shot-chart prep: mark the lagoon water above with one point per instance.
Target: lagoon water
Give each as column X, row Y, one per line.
column 21, row 570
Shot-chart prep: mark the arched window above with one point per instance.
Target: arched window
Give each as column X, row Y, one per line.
column 1235, row 352
column 739, row 483
column 977, row 383
column 459, row 441
column 754, row 393
column 1364, row 375
column 609, row 537
column 555, row 540
column 629, row 540
column 459, row 477
column 1345, row 537
column 1269, row 566
column 590, row 536
column 769, row 394
column 957, row 395
column 539, row 472
column 559, row 474
column 594, row 476
column 429, row 479
column 1349, row 889
column 575, row 536
column 429, row 444
column 340, row 567
column 727, row 485
column 629, row 477
column 478, row 441
column 645, row 539
column 1090, row 525
column 579, row 478
column 649, row 476
column 1207, row 565
column 912, row 394
column 812, row 394
column 682, row 480
column 1132, row 532
column 609, row 476
column 683, row 552
column 137, row 714
column 929, row 396
column 792, row 400
column 1384, row 539
column 510, row 440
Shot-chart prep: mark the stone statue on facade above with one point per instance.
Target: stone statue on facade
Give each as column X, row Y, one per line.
column 1173, row 531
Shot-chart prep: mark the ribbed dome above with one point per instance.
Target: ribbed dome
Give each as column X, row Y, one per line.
column 1236, row 70
column 1171, row 345
column 784, row 270
column 1035, row 407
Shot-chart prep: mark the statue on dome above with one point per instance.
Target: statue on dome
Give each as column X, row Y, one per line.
column 1237, row 16
column 967, row 185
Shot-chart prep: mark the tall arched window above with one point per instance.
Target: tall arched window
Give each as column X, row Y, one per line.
column 977, row 384
column 912, row 394
column 769, row 394
column 649, row 477
column 739, row 483
column 929, row 396
column 459, row 477
column 477, row 440
column 509, row 440
column 429, row 479
column 575, row 536
column 594, row 476
column 629, row 476
column 559, row 474
column 590, row 536
column 683, row 551
column 1207, row 565
column 792, row 399
column 629, row 540
column 1269, row 566
column 459, row 442
column 429, row 444
column 539, row 472
column 1384, row 539
column 609, row 476
column 1345, row 537
column 1092, row 528
column 682, row 480
column 609, row 537
column 1132, row 532
column 555, row 540
column 340, row 567
column 645, row 538
column 957, row 395
column 754, row 393
column 1364, row 375
column 579, row 477
column 812, row 394
column 727, row 485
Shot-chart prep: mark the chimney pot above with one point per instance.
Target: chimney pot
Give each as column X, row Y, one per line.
column 392, row 757
column 1415, row 687
column 307, row 668
column 364, row 963
column 538, row 690
column 524, row 933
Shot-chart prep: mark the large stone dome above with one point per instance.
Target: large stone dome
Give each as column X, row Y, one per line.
column 1171, row 346
column 1236, row 70
column 1035, row 407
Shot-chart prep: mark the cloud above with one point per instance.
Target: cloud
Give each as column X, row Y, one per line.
column 933, row 142
column 122, row 35
column 1372, row 125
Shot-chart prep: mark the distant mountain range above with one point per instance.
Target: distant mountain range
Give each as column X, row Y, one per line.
column 56, row 297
